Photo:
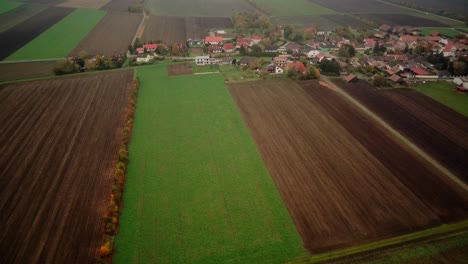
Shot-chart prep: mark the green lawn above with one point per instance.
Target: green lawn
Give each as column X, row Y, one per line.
column 442, row 92
column 449, row 32
column 6, row 5
column 62, row 38
column 197, row 190
column 292, row 7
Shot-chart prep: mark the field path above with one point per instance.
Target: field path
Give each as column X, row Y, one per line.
column 399, row 136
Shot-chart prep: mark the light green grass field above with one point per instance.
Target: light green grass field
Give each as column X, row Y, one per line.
column 6, row 5
column 292, row 8
column 449, row 32
column 197, row 190
column 62, row 38
column 442, row 92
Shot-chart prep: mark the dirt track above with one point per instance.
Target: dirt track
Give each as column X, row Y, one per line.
column 59, row 145
column 340, row 184
column 433, row 127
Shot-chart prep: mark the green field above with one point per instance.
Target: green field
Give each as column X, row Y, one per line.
column 442, row 92
column 6, row 5
column 291, row 8
column 449, row 32
column 197, row 190
column 62, row 38
column 198, row 8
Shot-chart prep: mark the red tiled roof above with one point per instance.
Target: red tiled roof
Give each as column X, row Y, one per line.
column 150, row 46
column 309, row 29
column 213, row 39
column 256, row 37
column 370, row 42
column 298, row 65
column 390, row 72
column 408, row 38
column 419, row 71
column 350, row 77
column 395, row 78
column 228, row 46
column 140, row 50
column 448, row 47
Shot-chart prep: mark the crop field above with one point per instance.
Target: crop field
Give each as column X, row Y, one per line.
column 291, row 8
column 91, row 4
column 449, row 32
column 112, row 34
column 24, row 70
column 7, row 5
column 179, row 69
column 118, row 5
column 339, row 185
column 308, row 21
column 197, row 27
column 19, row 35
column 197, row 190
column 346, row 20
column 60, row 142
column 18, row 15
column 443, row 92
column 435, row 128
column 452, row 6
column 59, row 40
column 199, row 8
column 403, row 19
column 361, row 6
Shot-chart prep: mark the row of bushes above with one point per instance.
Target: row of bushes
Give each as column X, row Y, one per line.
column 111, row 217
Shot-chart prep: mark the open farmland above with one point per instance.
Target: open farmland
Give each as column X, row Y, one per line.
column 403, row 19
column 19, row 35
column 179, row 69
column 59, row 40
column 197, row 190
column 451, row 6
column 308, row 21
column 435, row 128
column 339, row 186
column 443, row 92
column 347, row 20
column 167, row 29
column 296, row 8
column 118, row 5
column 24, row 70
column 59, row 144
column 197, row 27
column 116, row 28
column 18, row 15
column 199, row 8
column 449, row 32
column 7, row 5
column 91, row 4
column 361, row 6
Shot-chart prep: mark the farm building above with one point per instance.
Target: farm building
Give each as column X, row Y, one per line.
column 256, row 39
column 418, row 71
column 396, row 79
column 215, row 49
column 280, row 61
column 229, row 47
column 204, row 60
column 144, row 58
column 244, row 42
column 150, row 47
column 213, row 40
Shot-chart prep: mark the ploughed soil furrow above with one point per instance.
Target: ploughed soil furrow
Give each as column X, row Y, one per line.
column 438, row 192
column 61, row 139
column 16, row 37
column 338, row 192
column 424, row 128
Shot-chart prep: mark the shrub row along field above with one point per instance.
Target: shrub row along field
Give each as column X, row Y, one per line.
column 403, row 19
column 18, row 15
column 91, row 4
column 199, row 8
column 197, row 190
column 24, row 70
column 59, row 40
column 19, row 35
column 112, row 35
column 435, row 128
column 343, row 185
column 59, row 144
column 295, row 8
column 179, row 29
column 443, row 92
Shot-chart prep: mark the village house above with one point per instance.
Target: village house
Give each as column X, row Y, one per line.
column 216, row 40
column 271, row 48
column 244, row 42
column 350, row 78
column 195, row 43
column 292, row 47
column 280, row 61
column 204, row 60
column 229, row 47
column 246, row 61
column 396, row 79
column 310, row 52
column 150, row 47
column 144, row 58
column 215, row 49
column 256, row 39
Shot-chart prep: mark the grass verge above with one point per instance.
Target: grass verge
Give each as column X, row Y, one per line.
column 443, row 92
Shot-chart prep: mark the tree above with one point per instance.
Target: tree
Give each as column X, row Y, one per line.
column 83, row 55
column 65, row 66
column 256, row 64
column 242, row 50
column 288, row 30
column 330, row 67
column 379, row 80
column 293, row 73
column 256, row 48
column 346, row 51
column 263, row 74
column 459, row 68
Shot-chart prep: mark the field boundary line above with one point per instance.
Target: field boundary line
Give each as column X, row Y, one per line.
column 204, row 73
column 399, row 136
column 435, row 231
column 36, row 60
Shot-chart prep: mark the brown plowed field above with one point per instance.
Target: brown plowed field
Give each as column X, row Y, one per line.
column 179, row 69
column 118, row 5
column 19, row 35
column 432, row 126
column 361, row 6
column 179, row 29
column 346, row 20
column 340, row 191
column 402, row 20
column 91, row 4
column 24, row 70
column 112, row 35
column 59, row 145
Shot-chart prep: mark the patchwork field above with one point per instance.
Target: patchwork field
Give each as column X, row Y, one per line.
column 24, row 70
column 432, row 126
column 19, row 35
column 199, row 8
column 295, row 8
column 197, row 190
column 112, row 35
column 13, row 17
column 343, row 185
column 443, row 92
column 59, row 144
column 91, row 4
column 59, row 40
